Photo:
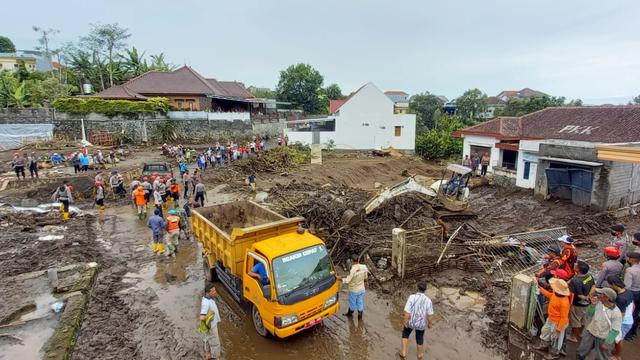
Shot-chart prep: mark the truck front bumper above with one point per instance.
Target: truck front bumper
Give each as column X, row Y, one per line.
column 306, row 323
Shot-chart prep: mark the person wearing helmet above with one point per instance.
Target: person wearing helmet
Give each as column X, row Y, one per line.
column 148, row 189
column 612, row 266
column 568, row 254
column 173, row 229
column 100, row 194
column 140, row 201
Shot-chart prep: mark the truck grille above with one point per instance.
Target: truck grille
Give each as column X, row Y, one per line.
column 309, row 313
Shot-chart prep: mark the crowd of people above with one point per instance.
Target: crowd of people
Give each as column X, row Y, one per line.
column 598, row 312
column 81, row 160
column 218, row 155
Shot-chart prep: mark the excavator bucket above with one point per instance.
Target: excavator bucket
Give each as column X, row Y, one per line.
column 415, row 183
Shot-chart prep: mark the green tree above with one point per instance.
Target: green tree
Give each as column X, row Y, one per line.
column 158, row 63
column 636, row 101
column 438, row 143
column 262, row 93
column 8, row 84
column 6, row 45
column 107, row 39
column 471, row 104
column 425, row 106
column 519, row 107
column 19, row 97
column 301, row 85
column 134, row 62
column 44, row 39
column 47, row 90
column 334, row 92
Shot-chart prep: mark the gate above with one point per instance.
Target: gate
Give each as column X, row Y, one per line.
column 415, row 252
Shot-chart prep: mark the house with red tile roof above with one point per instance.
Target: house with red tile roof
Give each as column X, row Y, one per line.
column 363, row 121
column 186, row 89
column 555, row 152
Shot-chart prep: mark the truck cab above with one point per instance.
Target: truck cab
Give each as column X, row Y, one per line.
column 300, row 288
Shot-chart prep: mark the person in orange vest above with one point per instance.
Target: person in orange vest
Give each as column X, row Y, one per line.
column 139, row 199
column 174, row 191
column 568, row 254
column 173, row 229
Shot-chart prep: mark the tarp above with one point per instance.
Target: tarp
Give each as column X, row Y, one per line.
column 13, row 136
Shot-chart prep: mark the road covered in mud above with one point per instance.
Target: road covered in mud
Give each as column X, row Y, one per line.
column 146, row 307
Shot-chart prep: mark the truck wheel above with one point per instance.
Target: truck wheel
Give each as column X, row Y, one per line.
column 257, row 322
column 210, row 275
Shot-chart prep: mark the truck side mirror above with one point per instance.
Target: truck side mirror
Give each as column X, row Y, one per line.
column 266, row 291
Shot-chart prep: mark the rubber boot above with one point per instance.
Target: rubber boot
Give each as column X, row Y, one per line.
column 102, row 208
column 65, row 215
column 542, row 346
column 360, row 315
column 349, row 313
column 140, row 216
column 161, row 248
column 155, row 248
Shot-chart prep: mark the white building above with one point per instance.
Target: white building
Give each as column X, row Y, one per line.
column 364, row 121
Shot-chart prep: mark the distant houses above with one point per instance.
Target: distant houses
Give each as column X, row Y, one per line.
column 31, row 59
column 495, row 103
column 186, row 89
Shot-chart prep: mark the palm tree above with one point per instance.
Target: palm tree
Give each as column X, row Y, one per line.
column 158, row 63
column 134, row 63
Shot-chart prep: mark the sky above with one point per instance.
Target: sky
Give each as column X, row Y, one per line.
column 578, row 49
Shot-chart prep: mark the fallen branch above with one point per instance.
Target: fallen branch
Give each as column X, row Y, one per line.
column 11, row 336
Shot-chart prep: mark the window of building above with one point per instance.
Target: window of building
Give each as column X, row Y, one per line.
column 398, row 130
column 527, row 169
column 509, row 158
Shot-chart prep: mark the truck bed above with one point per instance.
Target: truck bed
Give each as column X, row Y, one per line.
column 239, row 214
column 227, row 230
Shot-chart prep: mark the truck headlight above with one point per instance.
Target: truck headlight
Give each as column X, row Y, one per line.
column 284, row 321
column 331, row 301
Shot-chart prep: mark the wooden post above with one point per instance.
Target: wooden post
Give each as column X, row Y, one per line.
column 398, row 250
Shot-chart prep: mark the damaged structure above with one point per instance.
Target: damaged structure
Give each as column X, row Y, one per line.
column 554, row 151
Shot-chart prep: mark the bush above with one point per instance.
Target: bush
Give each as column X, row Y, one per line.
column 83, row 106
column 438, row 143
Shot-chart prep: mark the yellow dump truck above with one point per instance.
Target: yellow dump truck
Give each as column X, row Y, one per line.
column 240, row 239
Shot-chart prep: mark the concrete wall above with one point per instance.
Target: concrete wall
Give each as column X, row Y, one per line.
column 528, row 153
column 205, row 115
column 143, row 127
column 26, row 116
column 367, row 121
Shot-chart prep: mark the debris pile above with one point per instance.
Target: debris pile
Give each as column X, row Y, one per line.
column 324, row 210
column 279, row 160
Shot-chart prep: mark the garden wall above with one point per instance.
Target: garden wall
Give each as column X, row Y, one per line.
column 147, row 127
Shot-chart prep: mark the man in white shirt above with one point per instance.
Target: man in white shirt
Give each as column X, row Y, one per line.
column 211, row 317
column 605, row 326
column 418, row 315
column 356, row 282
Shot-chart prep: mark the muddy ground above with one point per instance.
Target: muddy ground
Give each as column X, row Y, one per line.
column 145, row 306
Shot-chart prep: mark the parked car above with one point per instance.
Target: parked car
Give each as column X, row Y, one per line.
column 161, row 169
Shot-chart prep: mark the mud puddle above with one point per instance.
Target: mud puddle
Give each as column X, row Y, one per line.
column 30, row 303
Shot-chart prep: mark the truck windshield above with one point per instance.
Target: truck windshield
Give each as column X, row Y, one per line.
column 301, row 268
